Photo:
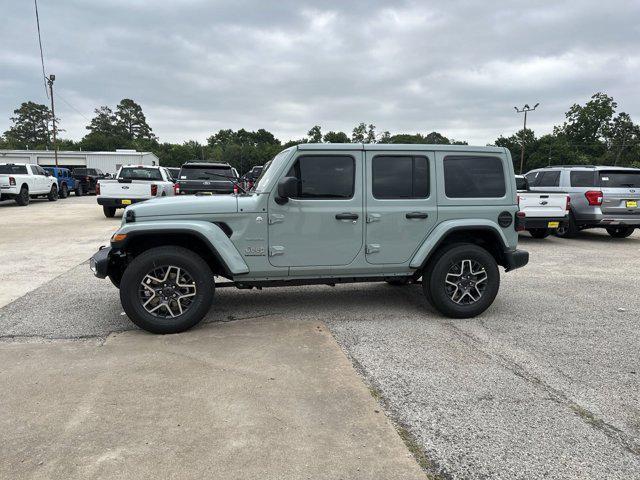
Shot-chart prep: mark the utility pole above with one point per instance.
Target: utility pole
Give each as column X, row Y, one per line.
column 50, row 79
column 524, row 110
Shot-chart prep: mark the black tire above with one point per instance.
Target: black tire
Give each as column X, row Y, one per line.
column 539, row 232
column 64, row 191
column 399, row 282
column 23, row 197
column 568, row 229
column 157, row 258
column 620, row 232
column 109, row 212
column 52, row 196
column 444, row 263
column 79, row 190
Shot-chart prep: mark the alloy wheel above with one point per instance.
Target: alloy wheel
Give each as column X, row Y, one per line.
column 466, row 281
column 167, row 291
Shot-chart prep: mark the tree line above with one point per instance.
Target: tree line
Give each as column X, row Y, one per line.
column 592, row 133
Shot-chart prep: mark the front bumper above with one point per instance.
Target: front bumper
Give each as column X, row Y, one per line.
column 99, row 263
column 542, row 222
column 515, row 259
column 117, row 202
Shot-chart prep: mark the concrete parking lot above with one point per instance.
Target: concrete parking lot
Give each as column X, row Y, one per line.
column 544, row 385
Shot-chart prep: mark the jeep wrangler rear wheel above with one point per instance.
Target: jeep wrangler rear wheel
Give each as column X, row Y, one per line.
column 463, row 281
column 167, row 289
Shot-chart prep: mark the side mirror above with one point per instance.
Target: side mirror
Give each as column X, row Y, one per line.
column 287, row 188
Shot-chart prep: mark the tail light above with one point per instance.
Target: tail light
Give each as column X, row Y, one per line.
column 594, row 197
column 98, row 188
column 12, row 181
column 154, row 189
column 235, row 189
column 176, row 189
column 519, row 223
column 567, row 206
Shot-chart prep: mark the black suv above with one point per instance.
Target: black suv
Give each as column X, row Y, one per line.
column 86, row 179
column 206, row 177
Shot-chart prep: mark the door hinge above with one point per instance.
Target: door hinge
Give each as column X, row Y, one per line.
column 276, row 250
column 372, row 248
column 275, row 218
column 373, row 217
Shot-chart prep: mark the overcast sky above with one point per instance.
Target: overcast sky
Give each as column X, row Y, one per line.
column 457, row 67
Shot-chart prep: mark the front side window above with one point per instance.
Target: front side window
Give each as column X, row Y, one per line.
column 324, row 176
column 396, row 177
column 549, row 178
column 470, row 176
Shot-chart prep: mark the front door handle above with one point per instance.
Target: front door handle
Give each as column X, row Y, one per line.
column 346, row 216
column 417, row 215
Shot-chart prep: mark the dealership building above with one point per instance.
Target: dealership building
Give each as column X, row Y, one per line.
column 108, row 162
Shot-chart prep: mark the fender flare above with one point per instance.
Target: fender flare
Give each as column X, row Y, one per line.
column 211, row 234
column 438, row 234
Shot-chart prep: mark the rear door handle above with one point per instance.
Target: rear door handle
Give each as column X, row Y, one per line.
column 417, row 215
column 346, row 216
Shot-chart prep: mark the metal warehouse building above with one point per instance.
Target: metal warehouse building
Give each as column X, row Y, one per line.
column 108, row 162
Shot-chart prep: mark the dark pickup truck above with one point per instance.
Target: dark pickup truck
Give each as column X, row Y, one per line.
column 206, row 177
column 86, row 179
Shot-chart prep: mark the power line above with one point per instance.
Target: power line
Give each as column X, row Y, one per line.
column 74, row 108
column 44, row 75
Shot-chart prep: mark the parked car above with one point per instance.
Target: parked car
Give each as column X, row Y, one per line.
column 87, row 179
column 206, row 177
column 251, row 176
column 66, row 182
column 326, row 214
column 22, row 182
column 542, row 213
column 133, row 184
column 174, row 172
column 601, row 196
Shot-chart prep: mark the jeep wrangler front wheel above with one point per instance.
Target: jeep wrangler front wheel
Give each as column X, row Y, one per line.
column 463, row 281
column 167, row 289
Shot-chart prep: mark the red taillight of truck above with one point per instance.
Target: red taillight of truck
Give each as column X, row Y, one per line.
column 594, row 197
column 98, row 188
column 154, row 190
column 12, row 181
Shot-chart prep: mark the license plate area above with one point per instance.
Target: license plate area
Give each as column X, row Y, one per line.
column 632, row 204
column 553, row 224
column 126, row 202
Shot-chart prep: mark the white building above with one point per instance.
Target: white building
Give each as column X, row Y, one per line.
column 108, row 162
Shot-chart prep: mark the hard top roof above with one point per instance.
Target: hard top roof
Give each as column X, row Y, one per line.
column 399, row 147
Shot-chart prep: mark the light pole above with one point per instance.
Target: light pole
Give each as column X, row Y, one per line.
column 50, row 80
column 524, row 110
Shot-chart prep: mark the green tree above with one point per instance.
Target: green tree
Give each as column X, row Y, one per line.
column 129, row 116
column 371, row 134
column 32, row 124
column 336, row 137
column 105, row 122
column 359, row 133
column 315, row 134
column 435, row 138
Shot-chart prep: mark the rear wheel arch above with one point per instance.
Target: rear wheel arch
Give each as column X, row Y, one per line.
column 485, row 237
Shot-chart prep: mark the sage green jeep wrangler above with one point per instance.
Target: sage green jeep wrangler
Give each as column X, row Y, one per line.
column 325, row 214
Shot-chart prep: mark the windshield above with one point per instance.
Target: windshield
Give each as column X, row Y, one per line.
column 209, row 173
column 270, row 169
column 13, row 169
column 131, row 173
column 620, row 179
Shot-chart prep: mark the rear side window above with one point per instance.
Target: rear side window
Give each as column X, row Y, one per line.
column 581, row 178
column 467, row 176
column 324, row 176
column 13, row 169
column 549, row 178
column 400, row 177
column 620, row 179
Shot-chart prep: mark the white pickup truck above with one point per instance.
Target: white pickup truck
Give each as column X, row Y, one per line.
column 543, row 212
column 24, row 181
column 133, row 184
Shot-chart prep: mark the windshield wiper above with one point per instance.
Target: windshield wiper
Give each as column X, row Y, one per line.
column 231, row 179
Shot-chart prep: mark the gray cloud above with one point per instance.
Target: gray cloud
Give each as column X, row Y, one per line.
column 197, row 66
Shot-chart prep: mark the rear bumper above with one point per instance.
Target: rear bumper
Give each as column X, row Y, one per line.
column 620, row 220
column 542, row 222
column 99, row 263
column 515, row 259
column 117, row 202
column 9, row 191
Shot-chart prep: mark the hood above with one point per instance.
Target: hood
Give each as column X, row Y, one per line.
column 186, row 205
